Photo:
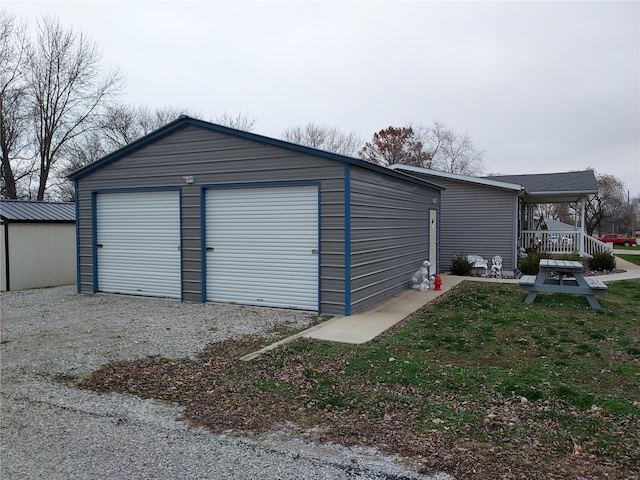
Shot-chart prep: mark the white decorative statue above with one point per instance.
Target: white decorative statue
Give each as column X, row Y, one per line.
column 421, row 280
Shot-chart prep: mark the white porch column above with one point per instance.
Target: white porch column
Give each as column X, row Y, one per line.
column 582, row 231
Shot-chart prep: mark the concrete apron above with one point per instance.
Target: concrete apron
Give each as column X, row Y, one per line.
column 362, row 327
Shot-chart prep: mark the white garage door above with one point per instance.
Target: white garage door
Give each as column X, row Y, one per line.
column 138, row 243
column 262, row 246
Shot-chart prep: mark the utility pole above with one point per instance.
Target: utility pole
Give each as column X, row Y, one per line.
column 629, row 215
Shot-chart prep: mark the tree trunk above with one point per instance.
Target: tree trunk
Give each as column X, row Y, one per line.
column 7, row 176
column 44, row 176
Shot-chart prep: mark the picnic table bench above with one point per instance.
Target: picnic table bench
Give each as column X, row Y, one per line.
column 562, row 276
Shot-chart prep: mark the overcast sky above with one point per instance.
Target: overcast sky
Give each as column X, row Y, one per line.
column 540, row 87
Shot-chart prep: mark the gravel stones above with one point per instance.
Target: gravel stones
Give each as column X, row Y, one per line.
column 52, row 431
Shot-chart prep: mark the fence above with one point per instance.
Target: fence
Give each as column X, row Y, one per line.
column 563, row 242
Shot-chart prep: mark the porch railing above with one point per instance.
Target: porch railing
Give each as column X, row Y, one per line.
column 562, row 242
column 593, row 245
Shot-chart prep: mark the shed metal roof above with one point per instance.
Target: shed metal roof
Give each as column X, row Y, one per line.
column 184, row 121
column 32, row 211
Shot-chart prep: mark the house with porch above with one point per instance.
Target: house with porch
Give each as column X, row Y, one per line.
column 496, row 215
column 548, row 235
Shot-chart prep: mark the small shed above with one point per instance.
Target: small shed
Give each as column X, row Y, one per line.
column 37, row 244
column 202, row 212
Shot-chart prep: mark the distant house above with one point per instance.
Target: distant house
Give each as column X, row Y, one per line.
column 37, row 243
column 557, row 226
column 494, row 215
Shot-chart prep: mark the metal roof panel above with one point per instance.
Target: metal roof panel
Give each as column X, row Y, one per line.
column 33, row 211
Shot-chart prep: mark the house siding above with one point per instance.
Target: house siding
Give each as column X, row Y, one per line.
column 389, row 235
column 478, row 220
column 216, row 159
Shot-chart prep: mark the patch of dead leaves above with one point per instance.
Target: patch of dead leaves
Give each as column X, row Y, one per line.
column 223, row 394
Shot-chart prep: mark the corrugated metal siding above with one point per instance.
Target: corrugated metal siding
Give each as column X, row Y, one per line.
column 40, row 255
column 389, row 235
column 215, row 159
column 476, row 219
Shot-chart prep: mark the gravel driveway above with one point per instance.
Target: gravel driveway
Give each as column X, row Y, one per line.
column 52, row 431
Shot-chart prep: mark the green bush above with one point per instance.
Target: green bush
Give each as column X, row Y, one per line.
column 529, row 265
column 574, row 256
column 602, row 261
column 461, row 265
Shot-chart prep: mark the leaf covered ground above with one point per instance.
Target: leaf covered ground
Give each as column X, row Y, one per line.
column 477, row 385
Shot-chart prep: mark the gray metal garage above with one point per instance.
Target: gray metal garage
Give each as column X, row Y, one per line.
column 202, row 212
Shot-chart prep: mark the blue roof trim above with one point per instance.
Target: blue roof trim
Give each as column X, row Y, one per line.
column 94, row 243
column 203, row 245
column 184, row 121
column 75, row 195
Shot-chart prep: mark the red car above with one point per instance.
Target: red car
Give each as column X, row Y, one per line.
column 617, row 240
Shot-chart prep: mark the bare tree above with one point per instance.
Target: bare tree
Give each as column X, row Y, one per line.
column 634, row 214
column 66, row 90
column 118, row 127
column 82, row 151
column 627, row 217
column 451, row 152
column 324, row 137
column 57, row 110
column 13, row 51
column 241, row 121
column 436, row 148
column 123, row 124
column 603, row 208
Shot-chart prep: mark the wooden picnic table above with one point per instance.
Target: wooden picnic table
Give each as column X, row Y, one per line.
column 562, row 276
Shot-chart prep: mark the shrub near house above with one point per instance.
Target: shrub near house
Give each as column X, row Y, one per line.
column 602, row 261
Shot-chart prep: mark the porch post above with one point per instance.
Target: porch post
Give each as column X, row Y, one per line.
column 582, row 231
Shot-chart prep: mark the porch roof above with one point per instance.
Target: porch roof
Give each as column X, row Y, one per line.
column 564, row 187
